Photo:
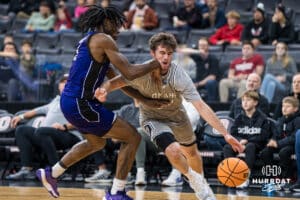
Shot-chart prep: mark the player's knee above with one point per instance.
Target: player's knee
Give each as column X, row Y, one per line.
column 166, row 141
column 173, row 151
column 191, row 151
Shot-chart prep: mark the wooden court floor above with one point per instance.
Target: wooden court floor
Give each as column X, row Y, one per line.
column 38, row 193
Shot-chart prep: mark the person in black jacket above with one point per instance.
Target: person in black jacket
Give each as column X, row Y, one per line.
column 281, row 29
column 283, row 138
column 253, row 84
column 295, row 93
column 257, row 30
column 250, row 128
column 207, row 69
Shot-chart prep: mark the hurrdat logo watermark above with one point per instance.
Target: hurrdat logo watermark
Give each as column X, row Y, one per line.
column 270, row 174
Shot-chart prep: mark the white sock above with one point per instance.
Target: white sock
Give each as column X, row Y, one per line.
column 191, row 173
column 57, row 170
column 118, row 185
column 140, row 169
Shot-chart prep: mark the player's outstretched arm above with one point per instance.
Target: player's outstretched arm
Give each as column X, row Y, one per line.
column 129, row 71
column 210, row 117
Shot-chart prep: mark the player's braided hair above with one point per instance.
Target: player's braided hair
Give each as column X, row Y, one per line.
column 95, row 16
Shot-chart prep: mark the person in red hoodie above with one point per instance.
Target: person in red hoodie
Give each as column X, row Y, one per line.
column 229, row 33
column 63, row 20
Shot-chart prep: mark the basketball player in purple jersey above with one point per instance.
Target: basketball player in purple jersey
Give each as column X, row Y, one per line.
column 90, row 65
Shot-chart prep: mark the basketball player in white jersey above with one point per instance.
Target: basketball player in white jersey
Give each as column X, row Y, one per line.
column 169, row 127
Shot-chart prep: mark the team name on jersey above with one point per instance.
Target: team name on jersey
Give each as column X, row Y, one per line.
column 249, row 130
column 166, row 95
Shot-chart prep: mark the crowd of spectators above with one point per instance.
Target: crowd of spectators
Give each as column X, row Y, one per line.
column 257, row 80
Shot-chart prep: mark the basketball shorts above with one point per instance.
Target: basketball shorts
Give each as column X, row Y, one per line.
column 183, row 131
column 87, row 116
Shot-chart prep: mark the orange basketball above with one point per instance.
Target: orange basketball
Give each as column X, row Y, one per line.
column 233, row 172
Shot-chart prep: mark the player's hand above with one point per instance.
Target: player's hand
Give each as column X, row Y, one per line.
column 100, row 94
column 155, row 103
column 58, row 126
column 236, row 146
column 15, row 121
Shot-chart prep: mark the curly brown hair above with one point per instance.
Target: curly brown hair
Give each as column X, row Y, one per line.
column 165, row 39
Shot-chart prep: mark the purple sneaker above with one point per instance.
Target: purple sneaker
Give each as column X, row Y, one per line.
column 50, row 183
column 121, row 195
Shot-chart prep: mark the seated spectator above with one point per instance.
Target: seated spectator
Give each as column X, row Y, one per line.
column 283, row 138
column 239, row 70
column 63, row 20
column 230, row 33
column 257, row 30
column 215, row 16
column 296, row 186
column 279, row 71
column 42, row 21
column 207, row 69
column 251, row 128
column 252, row 84
column 27, row 58
column 8, row 37
column 142, row 17
column 9, row 62
column 185, row 61
column 55, row 133
column 22, row 8
column 281, row 29
column 188, row 17
column 294, row 93
column 80, row 8
column 105, row 3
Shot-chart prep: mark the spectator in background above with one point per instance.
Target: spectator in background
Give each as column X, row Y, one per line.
column 22, row 8
column 252, row 84
column 257, row 30
column 105, row 3
column 7, row 38
column 239, row 70
column 42, row 21
column 142, row 17
column 207, row 69
column 80, row 8
column 281, row 29
column 187, row 17
column 63, row 20
column 27, row 58
column 279, row 71
column 295, row 93
column 9, row 84
column 183, row 59
column 230, row 33
column 215, row 16
column 55, row 133
column 251, row 128
column 283, row 138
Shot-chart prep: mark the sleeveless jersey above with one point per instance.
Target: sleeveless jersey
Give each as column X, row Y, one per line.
column 86, row 74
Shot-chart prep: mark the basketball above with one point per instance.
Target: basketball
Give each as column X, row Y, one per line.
column 233, row 172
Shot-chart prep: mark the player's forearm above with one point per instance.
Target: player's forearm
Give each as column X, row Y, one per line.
column 209, row 116
column 139, row 70
column 133, row 93
column 114, row 84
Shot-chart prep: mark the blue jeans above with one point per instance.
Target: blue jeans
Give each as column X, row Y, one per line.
column 212, row 90
column 269, row 85
column 214, row 143
column 297, row 151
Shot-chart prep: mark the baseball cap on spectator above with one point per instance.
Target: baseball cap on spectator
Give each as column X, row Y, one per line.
column 282, row 9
